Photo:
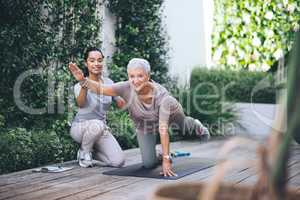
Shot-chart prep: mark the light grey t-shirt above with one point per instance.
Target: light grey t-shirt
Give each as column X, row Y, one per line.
column 147, row 117
column 96, row 105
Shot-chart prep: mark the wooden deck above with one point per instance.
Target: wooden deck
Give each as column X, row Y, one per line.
column 80, row 183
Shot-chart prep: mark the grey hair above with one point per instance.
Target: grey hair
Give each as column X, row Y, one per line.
column 139, row 63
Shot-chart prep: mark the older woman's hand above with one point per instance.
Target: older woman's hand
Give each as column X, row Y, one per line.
column 76, row 72
column 144, row 88
column 167, row 168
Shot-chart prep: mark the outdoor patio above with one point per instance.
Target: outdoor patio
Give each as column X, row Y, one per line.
column 90, row 183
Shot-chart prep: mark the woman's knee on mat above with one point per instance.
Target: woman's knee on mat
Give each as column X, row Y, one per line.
column 150, row 163
column 119, row 162
column 116, row 161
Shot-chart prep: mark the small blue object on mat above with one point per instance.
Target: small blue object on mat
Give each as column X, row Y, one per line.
column 180, row 154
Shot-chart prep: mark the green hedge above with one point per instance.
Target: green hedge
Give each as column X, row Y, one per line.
column 213, row 91
column 237, row 86
column 23, row 149
column 122, row 128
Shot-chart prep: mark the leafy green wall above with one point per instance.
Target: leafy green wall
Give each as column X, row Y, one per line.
column 253, row 34
column 45, row 36
column 41, row 36
column 139, row 33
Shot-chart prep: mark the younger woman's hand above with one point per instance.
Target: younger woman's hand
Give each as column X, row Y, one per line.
column 76, row 72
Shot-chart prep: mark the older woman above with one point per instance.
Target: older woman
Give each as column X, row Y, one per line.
column 151, row 108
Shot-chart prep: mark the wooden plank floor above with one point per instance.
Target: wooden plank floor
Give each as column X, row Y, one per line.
column 80, row 183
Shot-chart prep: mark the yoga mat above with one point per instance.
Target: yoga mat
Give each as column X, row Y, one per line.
column 182, row 166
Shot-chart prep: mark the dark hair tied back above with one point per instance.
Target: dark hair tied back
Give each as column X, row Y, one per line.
column 86, row 55
column 88, row 50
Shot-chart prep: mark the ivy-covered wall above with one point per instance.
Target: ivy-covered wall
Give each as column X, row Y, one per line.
column 253, row 34
column 43, row 35
column 37, row 40
column 139, row 33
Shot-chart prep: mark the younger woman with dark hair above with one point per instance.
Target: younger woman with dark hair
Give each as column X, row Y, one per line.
column 89, row 127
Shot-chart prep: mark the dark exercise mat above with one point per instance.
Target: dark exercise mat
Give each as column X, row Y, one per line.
column 182, row 166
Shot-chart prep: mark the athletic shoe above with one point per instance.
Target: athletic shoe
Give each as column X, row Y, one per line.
column 84, row 159
column 201, row 131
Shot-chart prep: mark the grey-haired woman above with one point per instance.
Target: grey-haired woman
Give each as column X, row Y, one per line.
column 151, row 108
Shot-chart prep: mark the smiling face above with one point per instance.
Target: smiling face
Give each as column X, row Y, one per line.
column 138, row 77
column 94, row 62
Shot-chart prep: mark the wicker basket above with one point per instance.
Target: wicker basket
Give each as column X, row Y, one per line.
column 191, row 191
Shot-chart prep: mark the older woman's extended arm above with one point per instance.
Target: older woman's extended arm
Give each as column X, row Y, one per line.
column 99, row 88
column 164, row 114
column 165, row 144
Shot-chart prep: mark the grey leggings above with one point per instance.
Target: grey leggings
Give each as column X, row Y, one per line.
column 147, row 141
column 94, row 136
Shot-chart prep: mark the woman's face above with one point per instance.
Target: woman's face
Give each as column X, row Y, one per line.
column 94, row 62
column 137, row 76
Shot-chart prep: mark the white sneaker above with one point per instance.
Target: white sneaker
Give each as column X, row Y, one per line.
column 202, row 131
column 205, row 134
column 84, row 159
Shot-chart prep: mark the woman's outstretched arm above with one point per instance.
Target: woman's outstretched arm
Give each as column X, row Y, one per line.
column 90, row 84
column 165, row 144
column 99, row 88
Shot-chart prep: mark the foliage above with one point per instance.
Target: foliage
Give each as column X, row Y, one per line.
column 15, row 150
column 253, row 34
column 62, row 128
column 213, row 92
column 23, row 46
column 42, row 36
column 23, row 149
column 2, row 122
column 139, row 34
column 235, row 86
column 37, row 40
column 122, row 128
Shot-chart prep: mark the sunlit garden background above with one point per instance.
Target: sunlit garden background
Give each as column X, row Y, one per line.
column 38, row 39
